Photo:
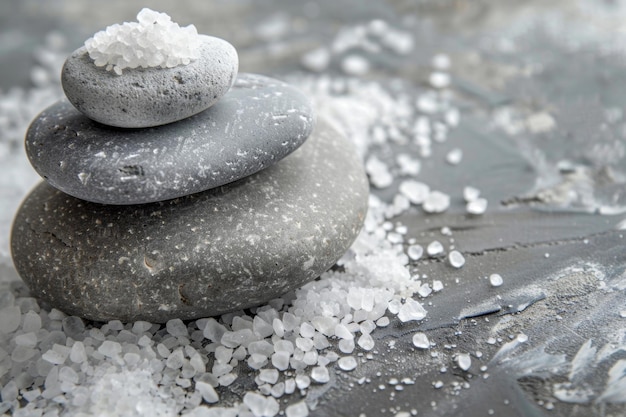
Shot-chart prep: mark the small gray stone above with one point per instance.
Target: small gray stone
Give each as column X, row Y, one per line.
column 144, row 97
column 205, row 254
column 259, row 122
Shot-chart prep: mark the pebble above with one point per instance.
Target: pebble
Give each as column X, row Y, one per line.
column 259, row 122
column 201, row 255
column 146, row 97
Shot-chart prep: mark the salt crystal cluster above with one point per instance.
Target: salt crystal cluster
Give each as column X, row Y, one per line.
column 153, row 41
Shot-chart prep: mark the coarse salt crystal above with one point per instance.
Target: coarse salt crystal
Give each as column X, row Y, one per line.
column 456, row 259
column 495, row 280
column 436, row 202
column 420, row 341
column 153, row 41
column 477, row 206
column 434, row 248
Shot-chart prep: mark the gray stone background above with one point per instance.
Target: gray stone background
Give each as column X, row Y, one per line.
column 511, row 60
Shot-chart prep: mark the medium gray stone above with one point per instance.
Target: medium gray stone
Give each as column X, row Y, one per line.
column 259, row 122
column 144, row 97
column 229, row 248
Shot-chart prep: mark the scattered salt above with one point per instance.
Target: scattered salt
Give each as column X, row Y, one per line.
column 477, row 206
column 415, row 252
column 347, row 363
column 153, row 41
column 415, row 191
column 470, row 194
column 298, row 409
column 464, row 361
column 434, row 248
column 436, row 202
column 420, row 341
column 454, row 157
column 320, row 374
column 456, row 259
column 495, row 280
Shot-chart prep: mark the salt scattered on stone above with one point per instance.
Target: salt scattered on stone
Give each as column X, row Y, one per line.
column 356, row 65
column 366, row 342
column 302, row 381
column 417, row 192
column 456, row 259
column 434, row 248
column 411, row 310
column 436, row 202
column 454, row 157
column 10, row 318
column 477, row 206
column 439, row 79
column 495, row 280
column 268, row 375
column 464, row 361
column 261, row 406
column 415, row 252
column 316, row 60
column 437, row 285
column 347, row 363
column 420, row 341
column 298, row 409
column 441, row 62
column 320, row 374
column 153, row 41
column 378, row 172
column 470, row 194
column 176, row 328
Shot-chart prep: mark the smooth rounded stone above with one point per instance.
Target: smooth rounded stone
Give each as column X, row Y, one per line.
column 259, row 122
column 145, row 97
column 205, row 254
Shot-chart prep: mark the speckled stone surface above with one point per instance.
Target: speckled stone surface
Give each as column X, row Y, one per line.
column 144, row 97
column 259, row 122
column 224, row 249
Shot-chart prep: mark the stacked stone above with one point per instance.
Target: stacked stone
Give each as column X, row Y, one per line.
column 182, row 192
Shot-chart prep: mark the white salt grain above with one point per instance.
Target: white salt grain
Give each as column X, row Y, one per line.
column 10, row 318
column 176, row 328
column 356, row 65
column 207, row 391
column 268, row 375
column 302, row 381
column 320, row 374
column 415, row 252
column 316, row 60
column 347, row 363
column 298, row 409
column 456, row 259
column 464, row 361
column 280, row 360
column 439, row 79
column 434, row 248
column 415, row 191
column 454, row 157
column 420, row 341
column 495, row 280
column 346, row 345
column 470, row 194
column 436, row 202
column 411, row 310
column 366, row 342
column 477, row 206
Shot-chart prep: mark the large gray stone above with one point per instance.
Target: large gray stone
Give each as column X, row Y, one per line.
column 144, row 97
column 228, row 248
column 259, row 122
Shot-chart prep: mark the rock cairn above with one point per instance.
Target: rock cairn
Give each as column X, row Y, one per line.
column 177, row 188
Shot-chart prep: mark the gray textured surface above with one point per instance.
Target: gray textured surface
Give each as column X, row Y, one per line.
column 259, row 122
column 144, row 97
column 225, row 249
